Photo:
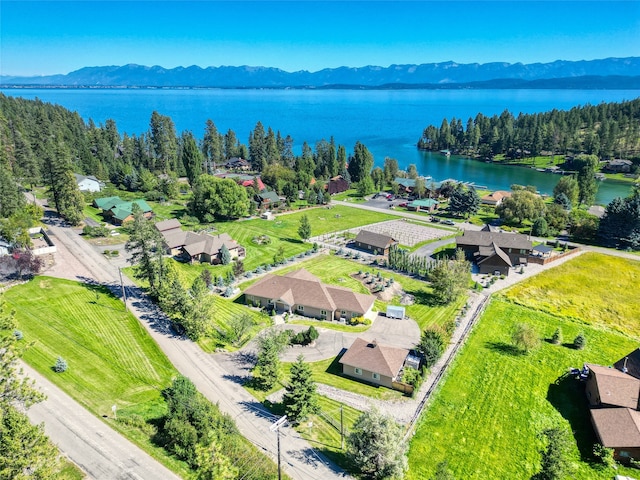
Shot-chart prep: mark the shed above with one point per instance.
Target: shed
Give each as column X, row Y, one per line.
column 395, row 312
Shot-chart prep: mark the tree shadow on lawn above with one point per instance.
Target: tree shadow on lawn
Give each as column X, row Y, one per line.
column 568, row 397
column 505, row 348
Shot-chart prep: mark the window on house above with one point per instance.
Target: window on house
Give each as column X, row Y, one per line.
column 301, row 308
column 358, row 371
column 375, row 376
column 323, row 313
column 250, row 298
column 271, row 301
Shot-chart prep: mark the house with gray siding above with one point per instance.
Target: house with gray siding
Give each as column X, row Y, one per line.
column 374, row 363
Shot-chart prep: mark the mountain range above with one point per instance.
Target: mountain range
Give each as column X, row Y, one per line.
column 610, row 73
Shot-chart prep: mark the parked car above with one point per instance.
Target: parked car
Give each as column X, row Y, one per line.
column 448, row 222
column 403, row 204
column 434, row 219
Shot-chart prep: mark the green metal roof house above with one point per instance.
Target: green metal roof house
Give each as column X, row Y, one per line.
column 425, row 204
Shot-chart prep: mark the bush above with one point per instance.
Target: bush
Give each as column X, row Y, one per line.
column 604, row 455
column 524, row 337
column 580, row 341
column 60, row 366
column 556, row 338
column 95, row 232
column 18, row 334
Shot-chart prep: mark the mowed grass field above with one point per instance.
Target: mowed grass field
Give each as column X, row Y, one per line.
column 597, row 289
column 337, row 270
column 111, row 358
column 486, row 418
column 283, row 231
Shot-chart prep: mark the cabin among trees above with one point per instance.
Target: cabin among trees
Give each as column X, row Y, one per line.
column 118, row 211
column 337, row 184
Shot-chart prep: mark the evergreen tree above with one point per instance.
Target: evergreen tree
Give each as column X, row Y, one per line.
column 376, row 447
column 212, row 147
column 225, row 255
column 304, row 230
column 432, row 345
column 197, row 318
column 164, row 142
column 62, row 184
column 464, row 200
column 555, row 465
column 300, row 399
column 11, row 198
column 620, row 225
column 587, row 184
column 145, row 245
column 191, row 157
column 361, row 163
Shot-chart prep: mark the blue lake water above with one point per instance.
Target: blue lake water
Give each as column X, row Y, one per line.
column 389, row 123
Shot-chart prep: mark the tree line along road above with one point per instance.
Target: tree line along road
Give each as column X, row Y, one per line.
column 300, row 461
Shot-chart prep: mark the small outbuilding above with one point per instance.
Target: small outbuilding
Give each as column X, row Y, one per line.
column 376, row 243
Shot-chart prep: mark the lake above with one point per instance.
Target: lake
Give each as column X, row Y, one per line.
column 388, row 122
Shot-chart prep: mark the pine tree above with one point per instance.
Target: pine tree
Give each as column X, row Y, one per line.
column 225, row 255
column 145, row 245
column 304, row 230
column 191, row 157
column 301, row 399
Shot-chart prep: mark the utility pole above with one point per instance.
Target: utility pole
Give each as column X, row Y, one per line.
column 124, row 293
column 341, row 428
column 275, row 427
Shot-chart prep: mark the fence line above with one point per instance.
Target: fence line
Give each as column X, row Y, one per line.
column 414, row 420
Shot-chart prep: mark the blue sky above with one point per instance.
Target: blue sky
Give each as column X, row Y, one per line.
column 41, row 38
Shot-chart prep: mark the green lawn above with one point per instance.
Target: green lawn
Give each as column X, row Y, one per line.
column 222, row 309
column 597, row 289
column 284, row 230
column 495, row 402
column 111, row 358
column 337, row 270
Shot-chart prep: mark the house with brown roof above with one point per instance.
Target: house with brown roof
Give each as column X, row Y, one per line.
column 202, row 247
column 303, row 293
column 337, row 185
column 614, row 395
column 374, row 363
column 495, row 251
column 495, row 198
column 376, row 243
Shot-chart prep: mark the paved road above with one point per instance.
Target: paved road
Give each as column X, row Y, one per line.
column 102, row 453
column 300, row 461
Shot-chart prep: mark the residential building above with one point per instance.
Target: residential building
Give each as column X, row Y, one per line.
column 303, row 293
column 376, row 243
column 117, row 211
column 495, row 198
column 374, row 363
column 88, row 183
column 619, row 166
column 236, row 163
column 613, row 395
column 196, row 247
column 423, row 205
column 495, row 251
column 337, row 185
column 268, row 199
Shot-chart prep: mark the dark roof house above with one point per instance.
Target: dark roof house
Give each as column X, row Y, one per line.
column 376, row 243
column 337, row 185
column 480, row 245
